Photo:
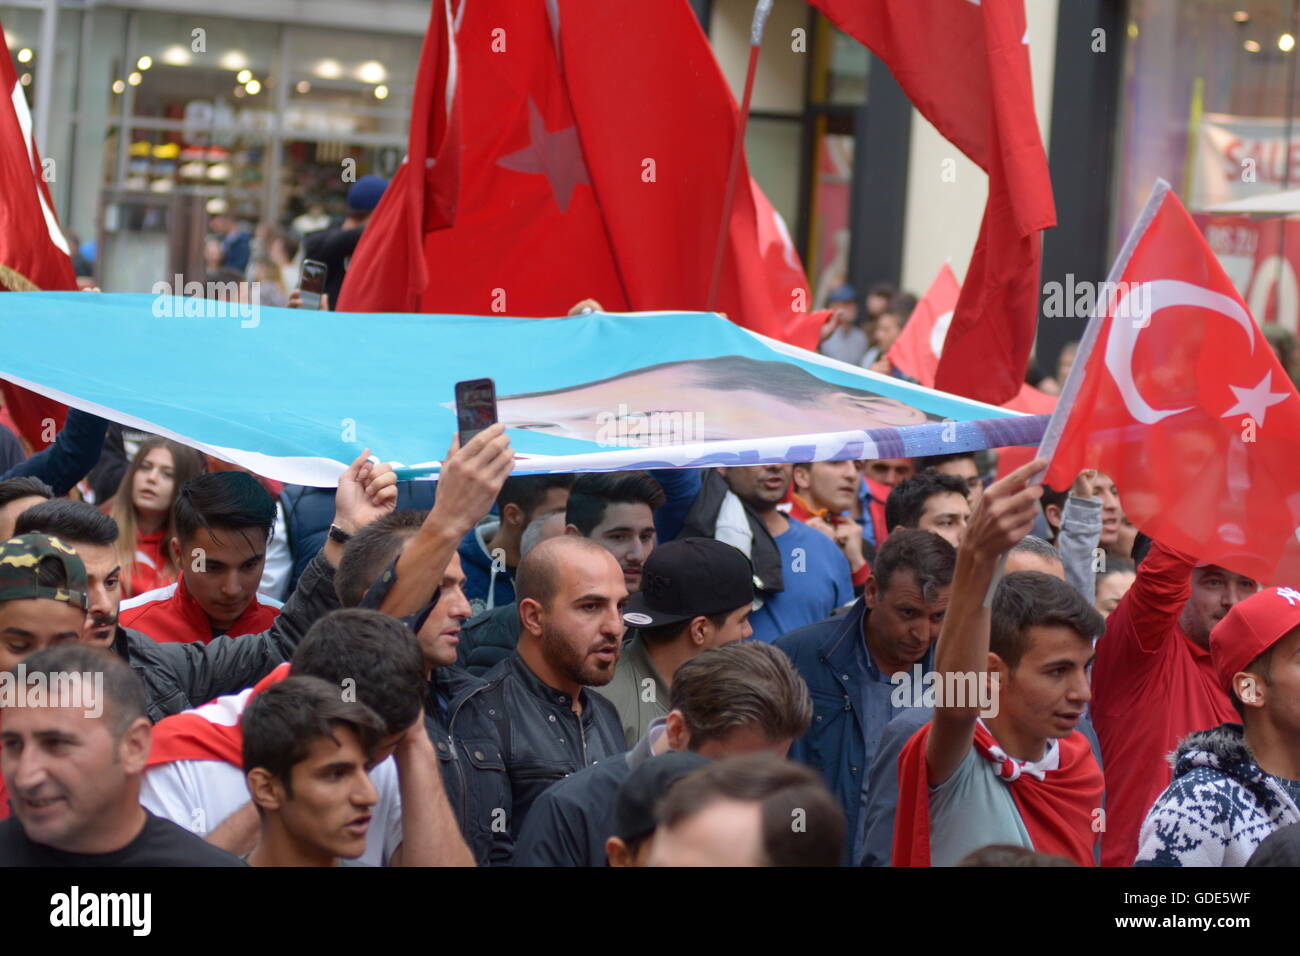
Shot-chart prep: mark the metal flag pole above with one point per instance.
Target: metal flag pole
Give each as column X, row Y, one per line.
column 761, row 11
column 1073, row 382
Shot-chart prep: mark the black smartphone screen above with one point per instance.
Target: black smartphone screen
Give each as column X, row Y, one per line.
column 312, row 283
column 476, row 407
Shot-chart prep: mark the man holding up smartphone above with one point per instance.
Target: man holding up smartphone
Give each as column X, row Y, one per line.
column 334, row 246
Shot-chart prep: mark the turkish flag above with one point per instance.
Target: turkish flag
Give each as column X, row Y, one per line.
column 587, row 169
column 916, row 351
column 965, row 66
column 1177, row 397
column 33, row 252
column 387, row 271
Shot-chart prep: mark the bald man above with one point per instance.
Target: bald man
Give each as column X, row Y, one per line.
column 570, row 593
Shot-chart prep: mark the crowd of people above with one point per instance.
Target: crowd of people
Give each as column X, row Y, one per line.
column 889, row 662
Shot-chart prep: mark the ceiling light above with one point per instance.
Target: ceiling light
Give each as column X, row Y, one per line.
column 372, row 72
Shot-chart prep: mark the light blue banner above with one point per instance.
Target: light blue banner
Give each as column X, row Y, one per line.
column 295, row 395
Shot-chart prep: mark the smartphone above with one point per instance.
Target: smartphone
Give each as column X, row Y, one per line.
column 476, row 407
column 312, row 284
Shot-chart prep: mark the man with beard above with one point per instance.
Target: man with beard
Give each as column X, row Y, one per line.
column 91, row 534
column 1154, row 682
column 849, row 663
column 623, row 512
column 571, row 595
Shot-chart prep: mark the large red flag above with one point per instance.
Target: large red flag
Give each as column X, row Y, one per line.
column 965, row 66
column 594, row 143
column 33, row 252
column 1177, row 396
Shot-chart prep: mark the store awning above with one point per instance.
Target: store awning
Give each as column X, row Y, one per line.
column 1274, row 204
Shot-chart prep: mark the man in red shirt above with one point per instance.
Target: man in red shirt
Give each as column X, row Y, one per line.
column 1153, row 683
column 223, row 523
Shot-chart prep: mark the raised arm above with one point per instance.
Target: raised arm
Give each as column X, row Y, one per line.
column 1004, row 515
column 1080, row 532
column 471, row 479
column 430, row 834
column 75, row 451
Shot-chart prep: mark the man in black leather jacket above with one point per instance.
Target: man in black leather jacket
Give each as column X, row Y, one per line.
column 571, row 594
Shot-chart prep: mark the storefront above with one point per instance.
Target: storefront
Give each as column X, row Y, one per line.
column 1210, row 104
column 160, row 116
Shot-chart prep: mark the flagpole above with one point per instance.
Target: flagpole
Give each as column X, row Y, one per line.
column 761, row 11
column 1074, row 381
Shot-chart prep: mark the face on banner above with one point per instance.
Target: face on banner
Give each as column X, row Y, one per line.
column 704, row 400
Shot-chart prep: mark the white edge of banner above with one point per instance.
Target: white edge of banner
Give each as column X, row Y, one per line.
column 1074, row 381
column 298, row 470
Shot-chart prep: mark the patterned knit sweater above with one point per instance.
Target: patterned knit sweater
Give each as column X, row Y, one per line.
column 1219, row 807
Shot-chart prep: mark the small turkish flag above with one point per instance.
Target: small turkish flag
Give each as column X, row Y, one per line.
column 916, row 354
column 33, row 253
column 1177, row 396
column 916, row 351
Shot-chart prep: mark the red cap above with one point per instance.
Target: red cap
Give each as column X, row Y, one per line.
column 1250, row 628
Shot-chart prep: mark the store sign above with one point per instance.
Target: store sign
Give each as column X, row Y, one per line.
column 1262, row 257
column 1240, row 156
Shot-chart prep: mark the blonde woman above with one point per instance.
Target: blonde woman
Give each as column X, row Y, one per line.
column 142, row 509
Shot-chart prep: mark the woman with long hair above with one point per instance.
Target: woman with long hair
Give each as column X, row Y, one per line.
column 142, row 509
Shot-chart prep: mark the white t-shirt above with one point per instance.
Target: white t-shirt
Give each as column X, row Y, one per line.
column 200, row 794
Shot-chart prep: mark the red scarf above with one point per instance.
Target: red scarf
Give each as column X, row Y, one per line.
column 210, row 732
column 1057, row 810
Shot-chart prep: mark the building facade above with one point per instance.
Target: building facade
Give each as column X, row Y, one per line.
column 159, row 114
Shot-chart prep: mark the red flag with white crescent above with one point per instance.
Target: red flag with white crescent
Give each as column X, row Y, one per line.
column 1178, row 397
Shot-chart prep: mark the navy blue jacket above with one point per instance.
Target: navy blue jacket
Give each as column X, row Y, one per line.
column 75, row 451
column 841, row 742
column 309, row 511
column 468, row 744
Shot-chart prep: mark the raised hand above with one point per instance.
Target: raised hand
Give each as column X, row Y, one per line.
column 1006, row 512
column 471, row 479
column 366, row 493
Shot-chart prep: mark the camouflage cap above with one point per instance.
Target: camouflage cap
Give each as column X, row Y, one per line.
column 20, row 560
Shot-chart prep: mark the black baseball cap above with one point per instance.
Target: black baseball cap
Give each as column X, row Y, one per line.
column 634, row 810
column 689, row 577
